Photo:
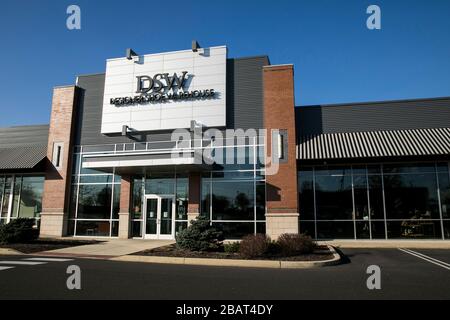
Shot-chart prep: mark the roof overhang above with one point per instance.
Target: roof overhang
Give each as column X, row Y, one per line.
column 136, row 162
column 22, row 158
column 375, row 144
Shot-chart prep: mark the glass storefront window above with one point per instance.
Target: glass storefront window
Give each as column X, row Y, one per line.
column 93, row 228
column 444, row 192
column 94, row 201
column 182, row 198
column 233, row 200
column 411, row 196
column 136, row 201
column 160, row 183
column 376, row 197
column 306, row 194
column 335, row 230
column 25, row 193
column 389, row 201
column 360, row 197
column 414, row 229
column 334, row 195
column 31, row 197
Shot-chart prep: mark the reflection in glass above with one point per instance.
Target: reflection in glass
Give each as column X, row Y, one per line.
column 94, row 201
column 31, row 196
column 93, row 228
column 306, row 194
column 166, row 216
column 233, row 200
column 136, row 198
column 151, row 216
column 335, row 230
column 411, row 196
column 414, row 229
column 334, row 197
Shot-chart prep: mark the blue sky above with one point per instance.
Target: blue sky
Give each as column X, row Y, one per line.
column 336, row 58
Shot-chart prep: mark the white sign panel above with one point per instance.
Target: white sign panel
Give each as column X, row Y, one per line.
column 165, row 91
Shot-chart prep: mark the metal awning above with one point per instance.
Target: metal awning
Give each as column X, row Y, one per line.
column 135, row 161
column 26, row 157
column 375, row 144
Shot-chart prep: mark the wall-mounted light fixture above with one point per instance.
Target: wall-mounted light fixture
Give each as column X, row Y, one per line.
column 195, row 46
column 130, row 54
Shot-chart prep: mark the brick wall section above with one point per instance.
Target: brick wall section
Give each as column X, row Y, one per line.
column 125, row 194
column 124, row 212
column 279, row 113
column 55, row 200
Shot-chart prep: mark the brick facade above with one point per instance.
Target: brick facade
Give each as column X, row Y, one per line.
column 55, row 200
column 279, row 113
column 124, row 212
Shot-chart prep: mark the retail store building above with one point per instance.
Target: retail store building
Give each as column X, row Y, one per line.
column 158, row 139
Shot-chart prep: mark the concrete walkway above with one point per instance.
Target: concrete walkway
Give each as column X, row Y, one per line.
column 417, row 244
column 110, row 248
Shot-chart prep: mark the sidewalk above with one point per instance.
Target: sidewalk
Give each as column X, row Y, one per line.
column 413, row 244
column 109, row 248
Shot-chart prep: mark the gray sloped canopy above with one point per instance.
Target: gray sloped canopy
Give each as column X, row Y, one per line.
column 374, row 144
column 23, row 157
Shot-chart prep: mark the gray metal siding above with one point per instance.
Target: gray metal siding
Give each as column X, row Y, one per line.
column 244, row 103
column 245, row 106
column 376, row 116
column 23, row 136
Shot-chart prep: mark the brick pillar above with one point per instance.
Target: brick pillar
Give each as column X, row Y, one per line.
column 55, row 199
column 281, row 198
column 194, row 196
column 124, row 212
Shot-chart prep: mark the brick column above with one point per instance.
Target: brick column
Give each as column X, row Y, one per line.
column 279, row 113
column 124, row 212
column 56, row 197
column 194, row 196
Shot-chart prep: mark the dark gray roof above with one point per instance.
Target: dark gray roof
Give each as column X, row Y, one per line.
column 374, row 144
column 26, row 157
column 18, row 136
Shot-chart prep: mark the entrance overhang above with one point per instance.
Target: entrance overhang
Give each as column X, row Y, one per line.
column 138, row 162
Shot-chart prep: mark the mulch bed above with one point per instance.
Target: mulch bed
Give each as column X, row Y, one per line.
column 47, row 244
column 321, row 253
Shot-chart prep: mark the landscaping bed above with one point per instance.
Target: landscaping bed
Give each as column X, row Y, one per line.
column 46, row 244
column 319, row 254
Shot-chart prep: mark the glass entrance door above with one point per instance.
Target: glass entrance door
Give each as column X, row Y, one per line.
column 159, row 222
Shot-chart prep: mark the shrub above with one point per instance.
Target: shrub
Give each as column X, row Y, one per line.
column 274, row 248
column 231, row 247
column 200, row 236
column 254, row 245
column 292, row 244
column 19, row 230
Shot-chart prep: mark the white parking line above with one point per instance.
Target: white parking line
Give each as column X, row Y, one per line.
column 5, row 268
column 426, row 258
column 25, row 263
column 48, row 259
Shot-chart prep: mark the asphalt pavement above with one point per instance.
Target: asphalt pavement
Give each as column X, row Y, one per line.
column 404, row 274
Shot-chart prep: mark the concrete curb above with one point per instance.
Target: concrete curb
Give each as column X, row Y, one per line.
column 235, row 262
column 9, row 252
